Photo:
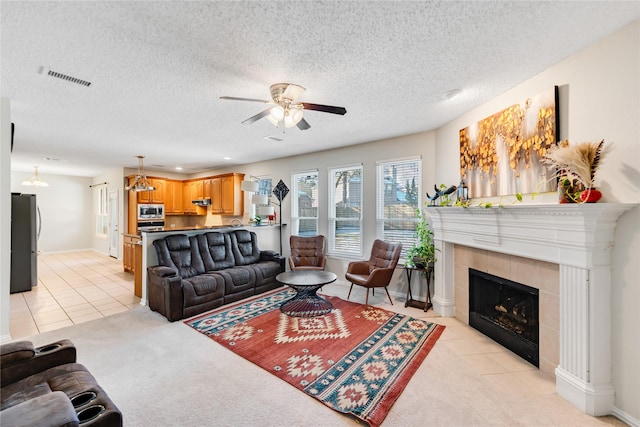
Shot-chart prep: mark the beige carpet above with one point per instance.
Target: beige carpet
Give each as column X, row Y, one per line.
column 166, row 374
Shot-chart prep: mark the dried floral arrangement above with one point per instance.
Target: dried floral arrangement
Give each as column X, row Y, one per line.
column 579, row 161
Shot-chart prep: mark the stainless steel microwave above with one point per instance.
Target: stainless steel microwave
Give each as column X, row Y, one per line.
column 150, row 212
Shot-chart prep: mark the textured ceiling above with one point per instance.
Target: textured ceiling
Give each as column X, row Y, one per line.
column 157, row 70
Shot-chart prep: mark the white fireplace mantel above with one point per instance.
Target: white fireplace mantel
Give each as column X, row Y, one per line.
column 577, row 237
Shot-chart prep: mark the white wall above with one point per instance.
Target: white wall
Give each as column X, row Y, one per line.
column 5, row 216
column 66, row 209
column 601, row 88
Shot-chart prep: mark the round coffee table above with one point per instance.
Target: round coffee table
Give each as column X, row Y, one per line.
column 306, row 303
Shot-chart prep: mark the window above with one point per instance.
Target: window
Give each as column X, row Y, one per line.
column 304, row 203
column 102, row 211
column 398, row 195
column 345, row 211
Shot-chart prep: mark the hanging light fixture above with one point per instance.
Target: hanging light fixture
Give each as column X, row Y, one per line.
column 35, row 180
column 141, row 182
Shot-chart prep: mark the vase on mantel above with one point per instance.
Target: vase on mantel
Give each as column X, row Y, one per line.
column 590, row 195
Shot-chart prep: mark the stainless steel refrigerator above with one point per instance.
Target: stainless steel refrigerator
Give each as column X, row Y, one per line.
column 24, row 242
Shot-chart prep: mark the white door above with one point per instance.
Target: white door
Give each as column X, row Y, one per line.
column 114, row 237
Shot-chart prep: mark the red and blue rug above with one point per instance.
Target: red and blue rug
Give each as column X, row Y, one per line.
column 356, row 359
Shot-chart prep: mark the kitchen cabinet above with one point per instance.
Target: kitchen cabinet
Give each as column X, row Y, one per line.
column 173, row 203
column 129, row 254
column 156, row 196
column 226, row 195
column 193, row 190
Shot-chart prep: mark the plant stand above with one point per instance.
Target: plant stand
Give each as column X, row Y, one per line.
column 410, row 302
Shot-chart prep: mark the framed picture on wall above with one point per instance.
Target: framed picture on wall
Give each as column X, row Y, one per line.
column 500, row 154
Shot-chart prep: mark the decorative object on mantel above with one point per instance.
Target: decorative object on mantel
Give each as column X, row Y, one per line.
column 443, row 193
column 462, row 192
column 577, row 164
column 499, row 155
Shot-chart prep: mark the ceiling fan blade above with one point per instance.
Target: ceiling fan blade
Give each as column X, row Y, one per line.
column 233, row 98
column 303, row 125
column 257, row 117
column 325, row 108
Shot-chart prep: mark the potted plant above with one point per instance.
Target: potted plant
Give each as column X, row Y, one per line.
column 422, row 253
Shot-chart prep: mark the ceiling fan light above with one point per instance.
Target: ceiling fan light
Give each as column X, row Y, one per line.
column 277, row 113
column 292, row 117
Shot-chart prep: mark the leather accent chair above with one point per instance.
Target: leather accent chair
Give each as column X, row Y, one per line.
column 377, row 272
column 307, row 253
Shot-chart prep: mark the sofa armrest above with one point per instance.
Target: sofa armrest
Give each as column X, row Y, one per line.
column 16, row 364
column 49, row 410
column 161, row 271
column 274, row 256
column 269, row 255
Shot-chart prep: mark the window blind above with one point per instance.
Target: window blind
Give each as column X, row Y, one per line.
column 345, row 211
column 304, row 203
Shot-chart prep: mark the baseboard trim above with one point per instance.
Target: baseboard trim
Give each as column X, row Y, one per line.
column 624, row 417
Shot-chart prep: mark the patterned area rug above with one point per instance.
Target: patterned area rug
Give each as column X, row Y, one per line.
column 356, row 359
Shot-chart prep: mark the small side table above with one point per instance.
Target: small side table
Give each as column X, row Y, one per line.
column 412, row 302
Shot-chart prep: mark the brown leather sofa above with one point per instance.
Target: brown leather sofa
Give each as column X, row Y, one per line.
column 205, row 271
column 45, row 387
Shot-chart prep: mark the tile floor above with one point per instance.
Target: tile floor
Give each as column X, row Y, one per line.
column 73, row 287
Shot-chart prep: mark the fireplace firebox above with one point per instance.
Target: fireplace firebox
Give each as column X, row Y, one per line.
column 506, row 312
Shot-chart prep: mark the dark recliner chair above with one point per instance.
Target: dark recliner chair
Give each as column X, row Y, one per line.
column 44, row 386
column 307, row 253
column 377, row 272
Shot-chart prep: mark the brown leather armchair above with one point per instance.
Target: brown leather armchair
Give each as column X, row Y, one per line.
column 307, row 253
column 377, row 272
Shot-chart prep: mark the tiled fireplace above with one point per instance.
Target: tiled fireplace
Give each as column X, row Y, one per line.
column 564, row 251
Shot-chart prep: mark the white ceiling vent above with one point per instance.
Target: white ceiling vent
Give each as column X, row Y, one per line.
column 273, row 138
column 71, row 79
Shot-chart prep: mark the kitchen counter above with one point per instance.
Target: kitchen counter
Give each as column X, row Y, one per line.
column 208, row 228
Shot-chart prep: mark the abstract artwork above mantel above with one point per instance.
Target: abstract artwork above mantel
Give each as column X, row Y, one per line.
column 500, row 154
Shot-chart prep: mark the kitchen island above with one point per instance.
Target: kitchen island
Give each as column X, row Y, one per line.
column 268, row 239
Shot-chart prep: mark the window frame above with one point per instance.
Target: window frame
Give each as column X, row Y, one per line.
column 295, row 212
column 333, row 220
column 381, row 220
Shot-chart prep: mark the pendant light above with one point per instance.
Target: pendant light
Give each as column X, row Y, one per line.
column 141, row 182
column 35, row 180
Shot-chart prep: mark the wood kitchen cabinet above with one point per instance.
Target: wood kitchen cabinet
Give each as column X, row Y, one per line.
column 173, row 203
column 193, row 190
column 226, row 194
column 129, row 253
column 156, row 196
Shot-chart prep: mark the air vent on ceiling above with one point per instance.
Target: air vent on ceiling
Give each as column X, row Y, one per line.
column 273, row 138
column 68, row 78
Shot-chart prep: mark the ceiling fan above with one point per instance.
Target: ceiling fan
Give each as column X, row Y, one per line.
column 286, row 108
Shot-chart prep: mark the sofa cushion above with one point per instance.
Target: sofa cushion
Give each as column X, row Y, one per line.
column 245, row 247
column 181, row 253
column 71, row 378
column 51, row 409
column 215, row 249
